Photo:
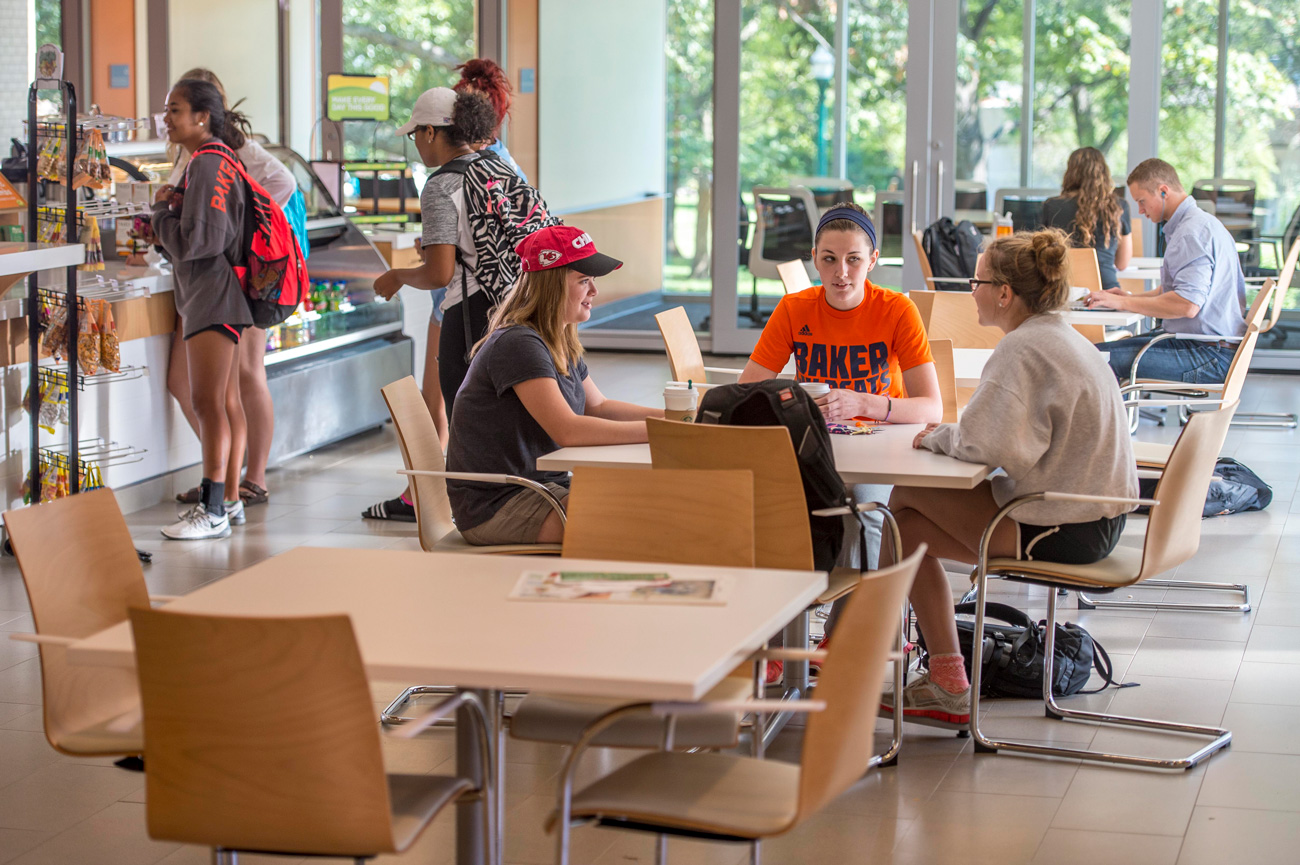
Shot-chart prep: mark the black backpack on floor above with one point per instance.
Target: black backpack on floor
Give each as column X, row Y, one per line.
column 781, row 402
column 952, row 248
column 1014, row 648
column 1234, row 488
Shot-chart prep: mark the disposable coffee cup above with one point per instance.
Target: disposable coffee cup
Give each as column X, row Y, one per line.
column 680, row 403
column 816, row 389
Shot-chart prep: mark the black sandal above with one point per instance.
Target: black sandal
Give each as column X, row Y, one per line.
column 252, row 494
column 395, row 510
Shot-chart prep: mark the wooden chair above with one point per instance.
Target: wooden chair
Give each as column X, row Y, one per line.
column 782, row 531
column 1136, row 286
column 1277, row 420
column 941, row 351
column 655, row 515
column 794, row 276
column 1172, row 537
column 725, row 797
column 923, row 260
column 684, row 357
column 1085, row 272
column 422, row 454
column 661, row 515
column 924, row 302
column 82, row 575
column 228, row 771
column 954, row 316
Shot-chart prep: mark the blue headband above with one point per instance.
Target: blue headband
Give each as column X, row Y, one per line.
column 861, row 220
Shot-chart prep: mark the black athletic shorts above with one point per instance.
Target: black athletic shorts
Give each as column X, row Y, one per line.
column 231, row 331
column 1071, row 543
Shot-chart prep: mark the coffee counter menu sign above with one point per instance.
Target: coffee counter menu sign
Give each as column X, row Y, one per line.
column 357, row 97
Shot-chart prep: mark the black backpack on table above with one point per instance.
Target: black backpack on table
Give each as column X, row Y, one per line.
column 781, row 402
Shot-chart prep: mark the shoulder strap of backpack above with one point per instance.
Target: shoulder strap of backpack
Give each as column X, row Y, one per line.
column 1002, row 612
column 456, row 166
column 1105, row 669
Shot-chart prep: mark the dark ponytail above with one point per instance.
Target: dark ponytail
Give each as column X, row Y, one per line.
column 229, row 126
column 473, row 119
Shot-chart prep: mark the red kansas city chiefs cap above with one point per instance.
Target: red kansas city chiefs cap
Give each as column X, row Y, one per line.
column 564, row 246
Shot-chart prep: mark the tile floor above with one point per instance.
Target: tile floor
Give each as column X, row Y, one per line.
column 940, row 804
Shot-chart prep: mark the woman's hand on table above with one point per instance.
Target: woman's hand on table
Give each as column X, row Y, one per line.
column 840, row 405
column 929, row 428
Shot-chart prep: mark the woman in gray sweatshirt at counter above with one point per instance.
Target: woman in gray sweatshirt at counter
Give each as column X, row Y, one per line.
column 200, row 226
column 1048, row 413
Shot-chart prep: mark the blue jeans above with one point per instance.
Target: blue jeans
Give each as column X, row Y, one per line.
column 1173, row 359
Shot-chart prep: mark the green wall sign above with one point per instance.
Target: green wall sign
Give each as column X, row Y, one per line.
column 356, row 97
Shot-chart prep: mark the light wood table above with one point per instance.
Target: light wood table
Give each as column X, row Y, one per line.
column 446, row 618
column 885, row 457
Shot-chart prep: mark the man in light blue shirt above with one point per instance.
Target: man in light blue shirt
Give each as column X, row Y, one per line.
column 1202, row 289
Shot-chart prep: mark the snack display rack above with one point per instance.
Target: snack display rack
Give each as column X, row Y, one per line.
column 76, row 297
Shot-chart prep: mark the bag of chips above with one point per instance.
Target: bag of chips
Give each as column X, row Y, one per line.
column 55, row 342
column 110, row 350
column 88, row 344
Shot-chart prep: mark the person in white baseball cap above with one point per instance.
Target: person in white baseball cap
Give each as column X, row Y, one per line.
column 445, row 126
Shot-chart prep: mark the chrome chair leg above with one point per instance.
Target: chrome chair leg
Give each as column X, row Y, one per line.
column 985, row 744
column 391, row 715
column 1088, row 603
column 756, row 853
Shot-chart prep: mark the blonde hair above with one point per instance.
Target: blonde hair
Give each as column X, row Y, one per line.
column 1150, row 173
column 1035, row 265
column 538, row 301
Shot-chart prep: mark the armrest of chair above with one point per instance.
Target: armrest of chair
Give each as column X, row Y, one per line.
column 1149, row 474
column 724, row 371
column 43, row 639
column 1172, row 401
column 412, row 728
column 1047, row 496
column 492, row 478
column 1171, row 386
column 843, row 510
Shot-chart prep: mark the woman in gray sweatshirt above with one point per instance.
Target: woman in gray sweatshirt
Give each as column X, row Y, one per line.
column 200, row 226
column 1049, row 414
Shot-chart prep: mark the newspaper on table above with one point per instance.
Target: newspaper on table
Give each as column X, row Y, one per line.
column 617, row 587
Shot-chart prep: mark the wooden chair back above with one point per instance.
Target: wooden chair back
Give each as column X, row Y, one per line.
column 421, row 451
column 1174, row 526
column 82, row 575
column 922, row 260
column 839, row 742
column 794, row 276
column 228, row 766
column 1085, row 272
column 661, row 515
column 924, row 302
column 1240, row 366
column 782, row 532
column 684, row 358
column 1284, row 277
column 1137, row 286
column 945, row 368
column 954, row 316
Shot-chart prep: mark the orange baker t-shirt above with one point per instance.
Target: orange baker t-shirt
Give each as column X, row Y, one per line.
column 864, row 349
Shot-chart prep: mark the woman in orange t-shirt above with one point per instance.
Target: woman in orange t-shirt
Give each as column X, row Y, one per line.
column 866, row 342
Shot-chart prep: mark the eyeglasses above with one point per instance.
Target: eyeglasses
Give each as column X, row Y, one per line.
column 976, row 283
column 411, row 134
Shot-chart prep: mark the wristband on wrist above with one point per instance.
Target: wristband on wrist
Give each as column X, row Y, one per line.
column 889, row 408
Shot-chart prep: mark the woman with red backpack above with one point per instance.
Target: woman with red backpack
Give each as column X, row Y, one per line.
column 200, row 227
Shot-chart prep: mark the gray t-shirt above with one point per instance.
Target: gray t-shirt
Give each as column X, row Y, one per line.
column 442, row 212
column 492, row 431
column 1060, row 213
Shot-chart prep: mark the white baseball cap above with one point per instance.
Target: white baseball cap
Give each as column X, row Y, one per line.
column 432, row 108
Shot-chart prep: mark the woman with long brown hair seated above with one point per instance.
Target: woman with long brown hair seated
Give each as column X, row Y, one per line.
column 1092, row 214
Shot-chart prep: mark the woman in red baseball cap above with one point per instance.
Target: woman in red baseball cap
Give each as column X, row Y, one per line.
column 528, row 393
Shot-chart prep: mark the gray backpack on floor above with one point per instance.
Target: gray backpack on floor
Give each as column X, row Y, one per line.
column 1233, row 489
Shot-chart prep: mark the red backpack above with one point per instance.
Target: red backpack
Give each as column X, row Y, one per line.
column 273, row 273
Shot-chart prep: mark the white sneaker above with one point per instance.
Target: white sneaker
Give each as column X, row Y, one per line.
column 235, row 513
column 924, row 702
column 197, row 525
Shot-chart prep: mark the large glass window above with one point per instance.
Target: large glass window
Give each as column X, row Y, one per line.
column 417, row 44
column 688, row 148
column 1189, row 66
column 49, row 21
column 1081, row 71
column 990, row 84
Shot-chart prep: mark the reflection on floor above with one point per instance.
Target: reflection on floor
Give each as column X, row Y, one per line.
column 940, row 804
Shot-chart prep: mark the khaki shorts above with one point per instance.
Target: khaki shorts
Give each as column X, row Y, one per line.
column 519, row 520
